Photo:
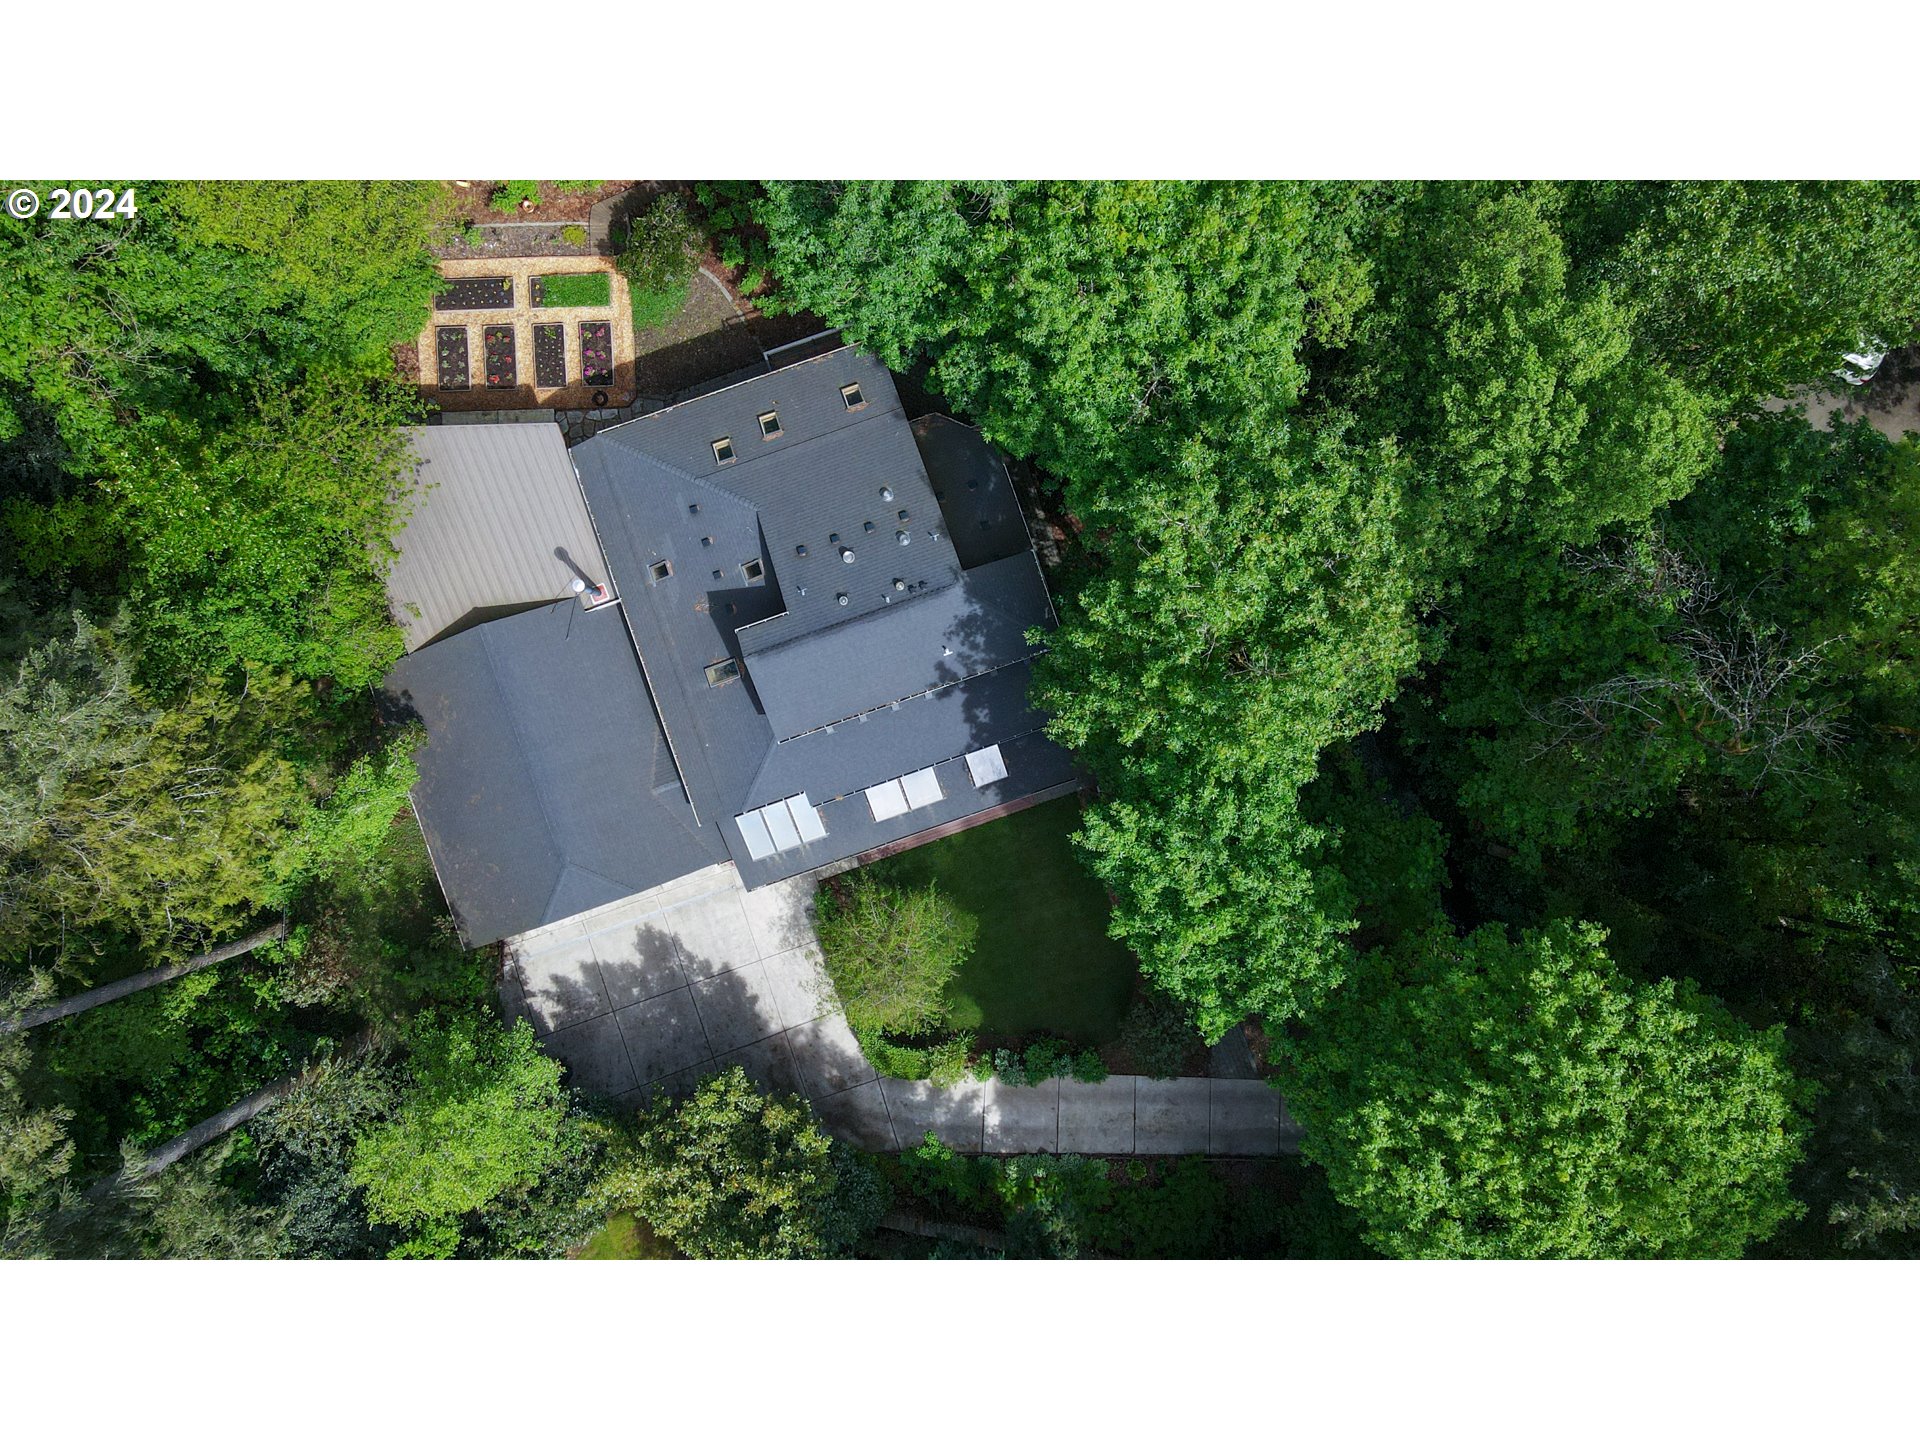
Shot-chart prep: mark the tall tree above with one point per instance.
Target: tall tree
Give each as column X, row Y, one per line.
column 733, row 1174
column 211, row 289
column 483, row 1117
column 1488, row 1097
column 166, row 820
column 1754, row 287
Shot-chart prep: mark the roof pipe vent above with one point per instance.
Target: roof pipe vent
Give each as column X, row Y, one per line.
column 846, row 555
column 886, row 492
column 903, row 537
column 898, row 583
column 842, row 598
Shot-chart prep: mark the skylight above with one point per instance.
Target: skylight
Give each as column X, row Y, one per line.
column 721, row 671
column 851, row 394
column 660, row 569
column 754, row 571
column 770, row 425
column 723, row 450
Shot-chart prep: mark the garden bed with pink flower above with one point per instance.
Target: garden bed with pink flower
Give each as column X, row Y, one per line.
column 502, row 373
column 596, row 352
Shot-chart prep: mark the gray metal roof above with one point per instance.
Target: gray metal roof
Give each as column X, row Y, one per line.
column 496, row 519
column 545, row 786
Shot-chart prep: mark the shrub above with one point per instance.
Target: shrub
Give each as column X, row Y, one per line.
column 733, row 1174
column 1088, row 1068
column 593, row 288
column 658, row 247
column 944, row 1063
column 573, row 235
column 1041, row 1061
column 890, row 953
column 1158, row 1035
column 577, row 187
column 896, row 1062
column 508, row 194
column 1010, row 1067
column 947, row 1061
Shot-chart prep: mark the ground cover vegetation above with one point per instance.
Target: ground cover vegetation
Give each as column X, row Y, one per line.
column 1488, row 694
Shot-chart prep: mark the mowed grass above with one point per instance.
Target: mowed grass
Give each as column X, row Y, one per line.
column 1044, row 963
column 656, row 307
column 623, row 1237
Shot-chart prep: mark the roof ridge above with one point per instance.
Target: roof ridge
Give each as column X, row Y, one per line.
column 838, row 626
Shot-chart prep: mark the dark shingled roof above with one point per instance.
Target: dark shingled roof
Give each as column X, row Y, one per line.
column 545, row 787
column 656, row 494
column 556, row 778
column 925, row 642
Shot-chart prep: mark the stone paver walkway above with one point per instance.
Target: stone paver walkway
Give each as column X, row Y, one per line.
column 1122, row 1115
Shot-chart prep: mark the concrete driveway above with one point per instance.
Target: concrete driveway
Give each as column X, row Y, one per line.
column 1890, row 401
column 648, row 996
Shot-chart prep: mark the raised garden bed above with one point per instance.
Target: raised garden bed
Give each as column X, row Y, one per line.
column 550, row 355
column 591, row 290
column 596, row 352
column 450, row 354
column 476, row 292
column 501, row 371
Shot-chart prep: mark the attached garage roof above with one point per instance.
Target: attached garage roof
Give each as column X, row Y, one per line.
column 545, row 784
column 496, row 518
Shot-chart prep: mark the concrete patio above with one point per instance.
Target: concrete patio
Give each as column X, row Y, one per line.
column 648, row 996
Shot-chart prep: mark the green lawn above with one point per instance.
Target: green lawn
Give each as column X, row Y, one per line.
column 592, row 289
column 657, row 307
column 624, row 1238
column 1043, row 963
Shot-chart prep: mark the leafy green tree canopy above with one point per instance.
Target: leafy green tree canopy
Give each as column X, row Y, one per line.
column 1488, row 1097
column 483, row 1117
column 734, row 1174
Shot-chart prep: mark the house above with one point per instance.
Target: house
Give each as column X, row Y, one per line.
column 795, row 629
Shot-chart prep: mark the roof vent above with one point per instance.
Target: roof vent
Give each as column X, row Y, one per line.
column 801, row 551
column 903, row 537
column 868, row 527
column 842, row 598
column 886, row 492
column 846, row 555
